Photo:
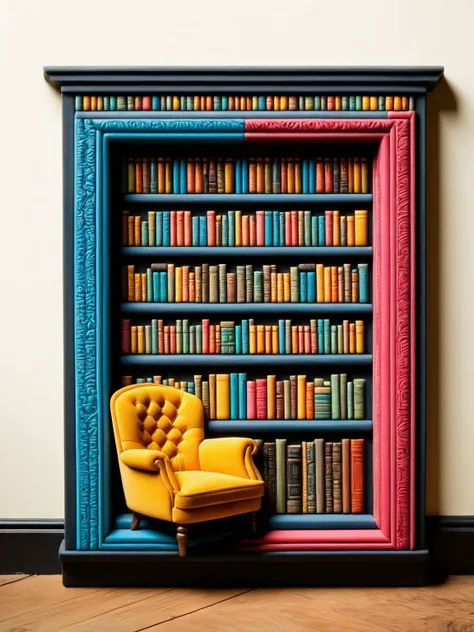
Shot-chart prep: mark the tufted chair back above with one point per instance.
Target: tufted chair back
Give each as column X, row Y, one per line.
column 155, row 417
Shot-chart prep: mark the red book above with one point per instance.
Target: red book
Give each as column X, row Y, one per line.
column 205, row 335
column 260, row 228
column 173, row 228
column 294, row 228
column 126, row 342
column 179, row 227
column 161, row 342
column 172, row 339
column 328, row 175
column 261, row 397
column 166, row 346
column 288, row 231
column 147, row 103
column 218, row 338
column 252, row 230
column 307, row 339
column 212, row 339
column 357, row 475
column 251, row 401
column 319, row 175
column 328, row 225
column 300, row 339
column 188, row 230
column 211, row 228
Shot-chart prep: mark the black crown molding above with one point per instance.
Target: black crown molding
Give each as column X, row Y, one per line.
column 224, row 78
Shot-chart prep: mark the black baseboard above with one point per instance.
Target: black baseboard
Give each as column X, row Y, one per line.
column 30, row 546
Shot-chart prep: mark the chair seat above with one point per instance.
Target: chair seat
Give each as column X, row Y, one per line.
column 201, row 489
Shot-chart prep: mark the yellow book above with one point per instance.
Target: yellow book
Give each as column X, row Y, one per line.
column 294, row 339
column 161, row 175
column 252, row 339
column 178, row 296
column 388, row 103
column 319, row 283
column 138, row 230
column 280, row 290
column 357, row 176
column 327, row 284
column 364, row 175
column 176, row 104
column 260, row 339
column 238, row 228
column 352, row 338
column 301, row 396
column 361, row 228
column 275, row 339
column 131, row 283
column 350, row 231
column 336, row 228
column 268, row 339
column 144, row 287
column 141, row 338
column 334, row 285
column 271, row 396
column 283, row 103
column 133, row 339
column 359, row 333
column 273, row 287
column 374, row 103
column 229, row 185
column 168, row 176
column 172, row 381
column 212, row 396
column 276, row 106
column 222, row 396
column 185, row 286
column 397, row 103
column 286, row 287
column 366, row 103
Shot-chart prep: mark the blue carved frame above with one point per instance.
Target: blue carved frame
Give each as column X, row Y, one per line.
column 91, row 298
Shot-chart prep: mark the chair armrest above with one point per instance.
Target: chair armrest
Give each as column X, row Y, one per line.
column 151, row 461
column 229, row 455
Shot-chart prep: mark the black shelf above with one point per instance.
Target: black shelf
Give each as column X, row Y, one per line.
column 242, row 198
column 275, row 426
column 244, row 251
column 316, row 309
column 212, row 359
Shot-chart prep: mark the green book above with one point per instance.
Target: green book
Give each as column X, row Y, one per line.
column 185, row 335
column 335, row 396
column 198, row 338
column 333, row 339
column 179, row 336
column 192, row 339
column 154, row 335
column 144, row 233
column 343, row 387
column 307, row 228
column 258, row 287
column 148, row 339
column 280, row 475
column 222, row 283
column 359, row 398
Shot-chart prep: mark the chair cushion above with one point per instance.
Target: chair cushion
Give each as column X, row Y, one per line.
column 202, row 489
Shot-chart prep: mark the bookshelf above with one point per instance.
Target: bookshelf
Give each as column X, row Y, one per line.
column 304, row 304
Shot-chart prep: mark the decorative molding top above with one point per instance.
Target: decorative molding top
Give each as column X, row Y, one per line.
column 215, row 79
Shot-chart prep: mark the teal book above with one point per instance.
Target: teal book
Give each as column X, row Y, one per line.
column 203, row 231
column 245, row 336
column 282, row 228
column 345, row 102
column 350, row 400
column 182, row 176
column 303, row 287
column 320, row 335
column 185, row 335
column 245, row 175
column 198, row 338
column 242, row 395
column 234, row 396
column 163, row 287
column 113, row 103
column 217, row 103
column 156, row 287
column 268, row 228
column 312, row 175
column 276, row 229
column 154, row 335
column 140, row 380
column 153, row 176
column 106, row 104
column 381, row 103
column 144, row 234
column 335, row 396
column 166, row 228
column 149, row 285
column 311, row 289
column 363, row 282
column 317, row 103
column 195, row 230
column 281, row 336
column 159, row 228
column 176, row 177
column 149, row 379
column 305, row 175
column 191, row 388
column 358, row 102
column 155, row 102
column 238, row 339
column 179, row 336
column 352, row 102
column 307, row 228
column 238, row 175
column 327, row 336
column 231, row 216
column 333, row 339
column 258, row 287
column 225, row 230
column 262, row 103
column 225, row 103
column 314, row 231
column 192, row 339
column 321, row 231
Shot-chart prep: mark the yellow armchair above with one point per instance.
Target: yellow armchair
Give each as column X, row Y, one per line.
column 169, row 471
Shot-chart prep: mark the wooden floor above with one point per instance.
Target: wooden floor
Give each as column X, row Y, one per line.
column 32, row 602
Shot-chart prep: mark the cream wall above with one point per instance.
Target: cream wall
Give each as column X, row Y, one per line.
column 34, row 33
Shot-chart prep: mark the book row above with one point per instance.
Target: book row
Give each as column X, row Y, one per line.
column 245, row 175
column 262, row 228
column 314, row 476
column 227, row 337
column 217, row 103
column 304, row 283
column 233, row 396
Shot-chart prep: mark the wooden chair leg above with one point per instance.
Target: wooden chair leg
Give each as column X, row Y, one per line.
column 136, row 519
column 254, row 522
column 182, row 538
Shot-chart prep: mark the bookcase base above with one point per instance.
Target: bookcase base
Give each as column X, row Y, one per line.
column 319, row 568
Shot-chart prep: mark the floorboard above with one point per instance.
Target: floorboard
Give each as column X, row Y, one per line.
column 10, row 579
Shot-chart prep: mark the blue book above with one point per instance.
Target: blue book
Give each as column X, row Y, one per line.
column 245, row 175
column 234, row 395
column 245, row 336
column 238, row 339
column 159, row 228
column 321, row 231
column 149, row 285
column 363, row 282
column 327, row 335
column 305, row 175
column 303, row 287
column 282, row 228
column 163, row 287
column 314, row 230
column 156, row 287
column 195, row 230
column 153, row 176
column 311, row 287
column 242, row 395
column 225, row 103
column 166, row 228
column 268, row 228
column 352, row 102
column 312, row 176
column 225, row 230
column 320, row 335
column 281, row 336
column 182, row 176
column 154, row 335
column 238, row 175
column 203, row 230
column 262, row 103
column 231, row 215
column 276, row 228
column 113, row 103
column 176, row 187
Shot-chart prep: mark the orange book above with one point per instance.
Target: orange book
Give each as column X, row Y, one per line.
column 131, row 231
column 176, row 104
column 284, row 175
column 359, row 334
column 185, row 286
column 357, row 176
column 133, row 339
column 248, row 103
column 212, row 339
column 275, row 339
column 190, row 180
column 168, row 176
column 294, row 339
column 271, row 396
column 276, row 103
column 405, row 103
column 238, row 228
column 300, row 339
column 309, row 400
column 280, row 288
column 140, row 339
column 218, row 338
column 364, row 175
column 161, row 175
column 245, row 230
column 352, row 338
column 198, row 176
column 374, row 103
column 286, row 287
column 252, row 339
column 173, row 228
column 144, row 287
column 260, row 176
column 327, row 284
column 188, row 230
column 336, row 229
column 298, row 179
column 350, row 231
column 131, row 283
column 340, row 284
column 252, row 231
column 268, row 339
column 166, row 339
column 397, row 103
column 260, row 339
column 320, row 296
column 345, row 336
column 229, row 176
column 138, row 230
column 366, row 103
column 361, row 228
column 178, row 297
column 232, row 103
column 291, row 175
column 273, row 287
column 243, row 104
column 355, row 286
column 307, row 339
column 301, row 396
column 138, row 175
column 389, row 103
column 222, row 396
column 138, row 287
column 338, row 103
column 179, row 228
column 252, row 175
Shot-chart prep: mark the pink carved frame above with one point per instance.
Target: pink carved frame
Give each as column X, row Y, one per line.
column 393, row 327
